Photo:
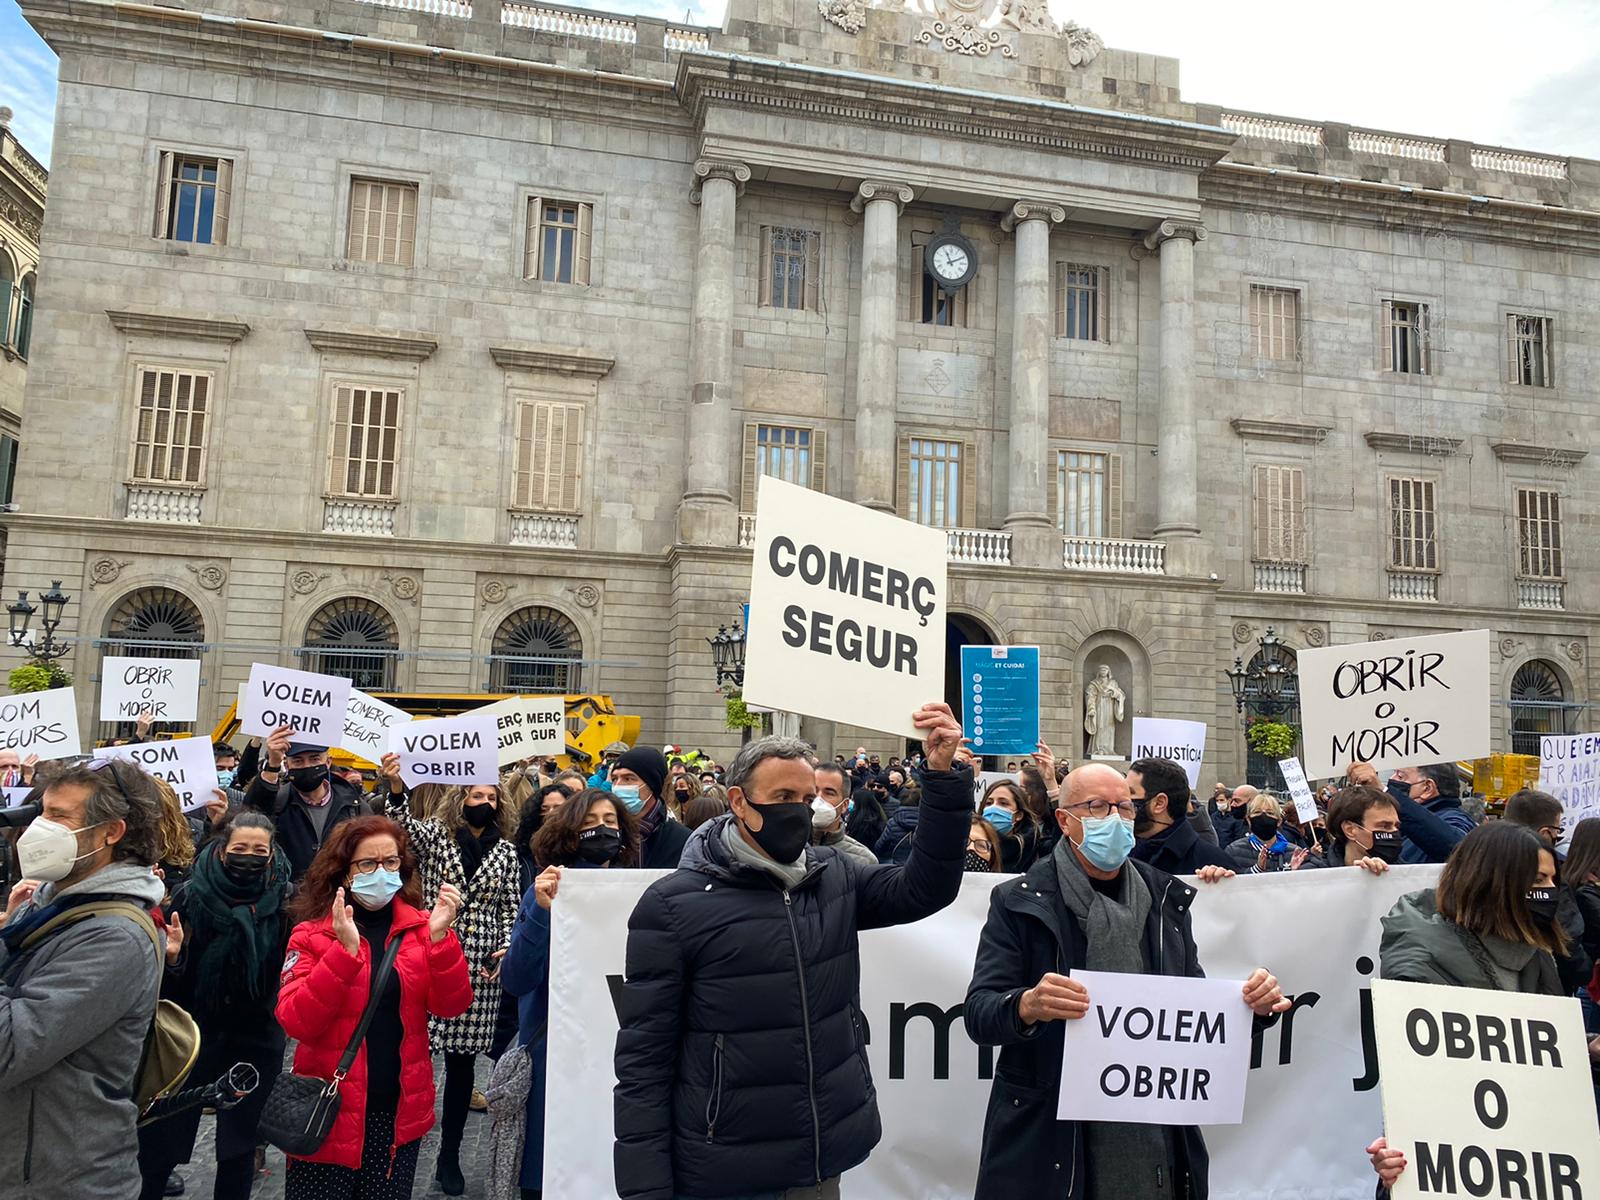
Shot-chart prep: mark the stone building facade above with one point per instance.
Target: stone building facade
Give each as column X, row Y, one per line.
column 442, row 342
column 23, row 183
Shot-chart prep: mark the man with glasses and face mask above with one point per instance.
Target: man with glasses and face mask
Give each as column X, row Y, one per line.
column 1088, row 906
column 306, row 801
column 76, row 996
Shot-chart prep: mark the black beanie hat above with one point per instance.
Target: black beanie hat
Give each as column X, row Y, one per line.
column 648, row 764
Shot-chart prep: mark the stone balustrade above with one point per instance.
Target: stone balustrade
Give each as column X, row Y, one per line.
column 173, row 506
column 1546, row 595
column 1282, row 578
column 368, row 518
column 547, row 530
column 1413, row 587
column 1125, row 555
column 747, row 530
column 982, row 547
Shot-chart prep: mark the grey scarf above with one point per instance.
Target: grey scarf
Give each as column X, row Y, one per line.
column 788, row 874
column 1130, row 1162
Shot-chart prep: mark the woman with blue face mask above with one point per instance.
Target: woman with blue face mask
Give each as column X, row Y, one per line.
column 1005, row 808
column 363, row 892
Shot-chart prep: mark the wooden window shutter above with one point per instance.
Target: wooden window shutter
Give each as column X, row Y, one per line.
column 747, row 473
column 764, row 300
column 1296, row 500
column 224, row 202
column 163, row 194
column 969, row 485
column 531, row 240
column 1260, row 513
column 1058, row 298
column 1424, row 339
column 819, row 460
column 585, row 243
column 1053, row 488
column 1387, row 337
column 813, row 296
column 338, row 440
column 522, row 459
column 1114, row 495
column 1513, row 358
column 902, row 475
column 570, row 443
column 539, row 459
column 1106, row 305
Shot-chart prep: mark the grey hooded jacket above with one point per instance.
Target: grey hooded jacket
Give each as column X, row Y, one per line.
column 74, row 1012
column 1421, row 946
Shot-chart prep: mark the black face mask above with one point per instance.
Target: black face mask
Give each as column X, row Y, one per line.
column 307, row 780
column 1239, row 810
column 1264, row 827
column 600, row 845
column 479, row 816
column 1386, row 845
column 785, row 830
column 976, row 862
column 246, row 868
column 1542, row 906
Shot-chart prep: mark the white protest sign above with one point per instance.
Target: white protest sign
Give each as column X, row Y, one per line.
column 41, row 723
column 1317, row 931
column 528, row 725
column 982, row 779
column 10, row 797
column 367, row 724
column 846, row 611
column 166, row 688
column 1487, row 1092
column 1569, row 769
column 1184, row 742
column 1398, row 703
column 450, row 750
column 312, row 705
column 1294, row 778
column 185, row 763
column 1157, row 1050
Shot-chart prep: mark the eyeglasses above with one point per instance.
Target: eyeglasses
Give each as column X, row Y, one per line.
column 366, row 866
column 1099, row 808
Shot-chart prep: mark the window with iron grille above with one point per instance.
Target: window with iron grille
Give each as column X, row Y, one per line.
column 547, row 474
column 1080, row 302
column 1275, row 318
column 1278, row 495
column 559, row 242
column 1406, row 338
column 1529, row 350
column 169, row 426
column 935, row 483
column 383, row 222
column 193, row 196
column 1413, row 540
column 1539, row 534
column 365, row 454
column 791, row 268
column 356, row 639
column 537, row 650
column 1089, row 493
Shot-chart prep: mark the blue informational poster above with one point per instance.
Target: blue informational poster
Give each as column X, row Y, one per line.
column 1000, row 698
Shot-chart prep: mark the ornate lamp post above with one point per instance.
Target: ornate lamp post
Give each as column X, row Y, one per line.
column 1266, row 683
column 727, row 654
column 54, row 601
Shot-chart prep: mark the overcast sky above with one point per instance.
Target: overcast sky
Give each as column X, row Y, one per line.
column 1524, row 74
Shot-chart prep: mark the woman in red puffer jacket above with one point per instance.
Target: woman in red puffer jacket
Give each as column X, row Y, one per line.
column 386, row 1101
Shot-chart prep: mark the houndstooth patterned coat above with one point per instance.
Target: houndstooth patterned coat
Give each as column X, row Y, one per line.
column 488, row 910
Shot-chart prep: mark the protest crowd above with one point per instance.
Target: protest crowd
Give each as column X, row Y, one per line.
column 314, row 924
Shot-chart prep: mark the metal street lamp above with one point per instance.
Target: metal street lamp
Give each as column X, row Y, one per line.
column 55, row 603
column 727, row 655
column 1271, row 682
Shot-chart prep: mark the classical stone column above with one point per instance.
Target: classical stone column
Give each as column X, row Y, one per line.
column 708, row 515
column 1177, row 464
column 1033, row 542
column 877, row 353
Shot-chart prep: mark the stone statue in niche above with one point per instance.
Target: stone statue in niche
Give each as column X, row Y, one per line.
column 1103, row 706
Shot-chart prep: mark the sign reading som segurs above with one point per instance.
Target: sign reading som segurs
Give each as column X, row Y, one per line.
column 846, row 611
column 1398, row 703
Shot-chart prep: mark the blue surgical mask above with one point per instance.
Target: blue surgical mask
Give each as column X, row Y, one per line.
column 377, row 889
column 225, row 778
column 999, row 817
column 1107, row 842
column 628, row 793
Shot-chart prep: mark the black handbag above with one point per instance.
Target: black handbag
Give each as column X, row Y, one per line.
column 300, row 1110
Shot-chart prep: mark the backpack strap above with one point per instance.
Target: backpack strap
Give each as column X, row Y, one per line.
column 97, row 908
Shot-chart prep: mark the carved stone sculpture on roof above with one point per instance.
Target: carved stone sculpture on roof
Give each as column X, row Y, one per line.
column 973, row 27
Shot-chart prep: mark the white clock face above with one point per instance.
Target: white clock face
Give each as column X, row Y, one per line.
column 950, row 261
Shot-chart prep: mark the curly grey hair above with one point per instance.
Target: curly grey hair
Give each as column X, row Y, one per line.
column 753, row 754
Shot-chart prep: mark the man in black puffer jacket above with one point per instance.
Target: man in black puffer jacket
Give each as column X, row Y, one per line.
column 741, row 1062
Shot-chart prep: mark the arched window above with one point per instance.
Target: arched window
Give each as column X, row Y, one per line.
column 536, row 649
column 1538, row 705
column 1261, row 771
column 8, row 299
column 155, row 622
column 355, row 639
column 25, row 315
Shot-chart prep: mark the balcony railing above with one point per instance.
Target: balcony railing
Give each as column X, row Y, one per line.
column 747, row 530
column 1409, row 586
column 1281, row 577
column 172, row 505
column 369, row 518
column 1549, row 595
column 1275, row 129
column 1114, row 554
column 985, row 547
column 569, row 23
column 544, row 529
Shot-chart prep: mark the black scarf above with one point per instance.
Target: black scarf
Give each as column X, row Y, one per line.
column 475, row 849
column 236, row 933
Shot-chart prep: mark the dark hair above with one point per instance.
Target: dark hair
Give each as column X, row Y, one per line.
column 1485, row 883
column 223, row 750
column 532, row 819
column 556, row 843
column 1018, row 793
column 1533, row 809
column 247, row 820
column 867, row 819
column 1162, row 776
column 990, row 835
column 832, row 768
column 1583, row 855
column 120, row 791
column 328, row 869
column 704, row 807
column 1352, row 804
column 1035, row 794
column 1444, row 778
